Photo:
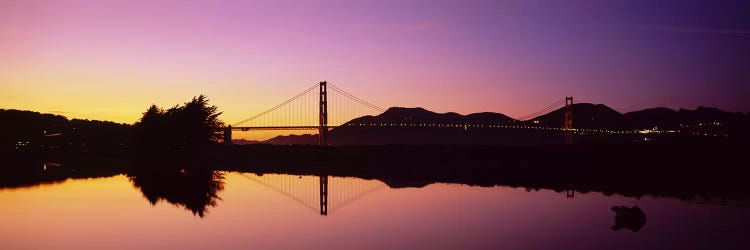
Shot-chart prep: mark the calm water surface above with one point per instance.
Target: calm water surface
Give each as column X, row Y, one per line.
column 244, row 210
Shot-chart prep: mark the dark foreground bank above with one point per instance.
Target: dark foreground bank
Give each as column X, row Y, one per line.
column 677, row 170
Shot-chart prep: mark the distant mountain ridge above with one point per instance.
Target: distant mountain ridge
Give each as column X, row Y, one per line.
column 395, row 115
column 599, row 116
column 585, row 115
column 421, row 115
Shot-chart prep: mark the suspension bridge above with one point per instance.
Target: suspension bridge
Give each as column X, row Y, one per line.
column 320, row 194
column 324, row 106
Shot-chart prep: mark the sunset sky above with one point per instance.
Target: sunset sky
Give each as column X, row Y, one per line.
column 109, row 60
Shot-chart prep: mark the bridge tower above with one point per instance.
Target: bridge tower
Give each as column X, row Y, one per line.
column 323, row 130
column 568, row 120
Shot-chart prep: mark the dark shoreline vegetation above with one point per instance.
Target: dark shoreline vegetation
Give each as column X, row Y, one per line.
column 196, row 124
column 670, row 170
column 175, row 154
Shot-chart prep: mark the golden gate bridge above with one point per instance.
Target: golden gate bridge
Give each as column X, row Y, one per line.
column 324, row 110
column 331, row 107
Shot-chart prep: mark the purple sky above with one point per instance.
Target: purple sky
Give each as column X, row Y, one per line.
column 111, row 59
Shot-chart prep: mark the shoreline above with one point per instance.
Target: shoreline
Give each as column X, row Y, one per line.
column 675, row 170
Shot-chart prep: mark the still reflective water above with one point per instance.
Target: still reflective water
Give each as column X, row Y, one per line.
column 243, row 210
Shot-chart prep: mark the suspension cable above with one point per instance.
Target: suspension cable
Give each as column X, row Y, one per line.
column 280, row 105
column 541, row 111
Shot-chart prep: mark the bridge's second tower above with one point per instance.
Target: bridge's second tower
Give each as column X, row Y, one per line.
column 568, row 120
column 323, row 130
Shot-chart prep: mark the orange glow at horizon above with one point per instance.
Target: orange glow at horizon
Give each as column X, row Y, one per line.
column 110, row 60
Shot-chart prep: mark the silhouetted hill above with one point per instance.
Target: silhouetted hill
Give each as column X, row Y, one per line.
column 585, row 115
column 706, row 114
column 663, row 118
column 711, row 120
column 244, row 142
column 420, row 115
column 28, row 130
column 306, row 139
column 599, row 116
column 356, row 135
column 397, row 115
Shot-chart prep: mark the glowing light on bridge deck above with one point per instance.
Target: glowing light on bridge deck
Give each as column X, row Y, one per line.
column 310, row 117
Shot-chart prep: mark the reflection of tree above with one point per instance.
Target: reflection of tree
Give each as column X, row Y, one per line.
column 195, row 189
column 631, row 218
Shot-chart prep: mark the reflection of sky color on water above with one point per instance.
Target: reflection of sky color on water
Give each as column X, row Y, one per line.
column 110, row 213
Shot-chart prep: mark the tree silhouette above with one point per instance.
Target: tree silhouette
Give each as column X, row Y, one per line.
column 181, row 128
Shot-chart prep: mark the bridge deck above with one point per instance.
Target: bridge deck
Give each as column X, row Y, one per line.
column 279, row 128
column 459, row 126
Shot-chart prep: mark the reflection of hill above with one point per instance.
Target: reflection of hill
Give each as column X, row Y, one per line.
column 26, row 171
column 675, row 170
column 405, row 184
column 195, row 189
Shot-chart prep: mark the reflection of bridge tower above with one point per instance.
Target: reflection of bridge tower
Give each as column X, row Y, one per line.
column 570, row 194
column 568, row 120
column 323, row 195
column 316, row 193
column 323, row 131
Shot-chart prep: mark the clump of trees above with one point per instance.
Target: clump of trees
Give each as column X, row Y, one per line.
column 184, row 127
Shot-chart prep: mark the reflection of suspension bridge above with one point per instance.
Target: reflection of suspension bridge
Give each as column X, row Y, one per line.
column 318, row 193
column 324, row 110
